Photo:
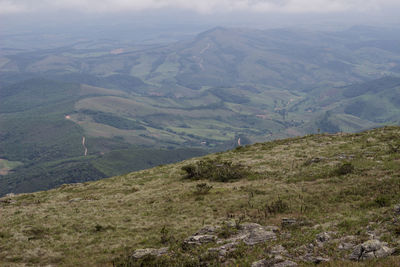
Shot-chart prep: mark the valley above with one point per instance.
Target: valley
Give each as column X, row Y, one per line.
column 65, row 110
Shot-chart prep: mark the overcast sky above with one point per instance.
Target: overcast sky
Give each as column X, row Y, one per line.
column 201, row 6
column 141, row 18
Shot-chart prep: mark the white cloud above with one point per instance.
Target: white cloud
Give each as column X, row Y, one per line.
column 201, row 6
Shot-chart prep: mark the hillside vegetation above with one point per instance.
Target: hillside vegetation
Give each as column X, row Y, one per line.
column 315, row 192
column 192, row 97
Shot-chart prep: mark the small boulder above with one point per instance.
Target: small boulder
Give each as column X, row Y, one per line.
column 224, row 250
column 345, row 246
column 285, row 263
column 278, row 250
column 323, row 237
column 208, row 230
column 288, row 222
column 397, row 209
column 371, row 249
column 274, row 262
column 198, row 240
column 255, row 234
column 314, row 259
column 140, row 253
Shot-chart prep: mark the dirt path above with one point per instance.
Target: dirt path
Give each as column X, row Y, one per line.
column 205, row 49
column 84, row 146
column 202, row 52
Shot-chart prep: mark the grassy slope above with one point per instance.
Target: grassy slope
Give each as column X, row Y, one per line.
column 92, row 223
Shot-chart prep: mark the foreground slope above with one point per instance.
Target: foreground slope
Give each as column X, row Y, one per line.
column 345, row 184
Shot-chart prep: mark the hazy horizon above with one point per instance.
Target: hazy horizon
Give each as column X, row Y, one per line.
column 122, row 20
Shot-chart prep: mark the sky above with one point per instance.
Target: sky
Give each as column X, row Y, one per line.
column 200, row 6
column 147, row 19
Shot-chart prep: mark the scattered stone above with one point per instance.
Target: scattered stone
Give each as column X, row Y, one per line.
column 7, row 200
column 261, row 263
column 312, row 259
column 314, row 160
column 224, row 250
column 254, row 233
column 75, row 200
column 371, row 249
column 140, row 253
column 274, row 262
column 208, row 230
column 285, row 263
column 10, row 195
column 397, row 209
column 345, row 246
column 251, row 234
column 323, row 237
column 198, row 240
column 344, row 156
column 272, row 228
column 279, row 249
column 288, row 222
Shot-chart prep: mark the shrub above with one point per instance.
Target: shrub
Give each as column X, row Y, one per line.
column 383, row 201
column 203, row 188
column 165, row 235
column 215, row 170
column 227, row 231
column 344, row 169
column 278, row 206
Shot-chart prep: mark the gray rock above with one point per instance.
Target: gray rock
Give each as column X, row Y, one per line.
column 285, row 263
column 397, row 209
column 273, row 263
column 224, row 250
column 345, row 246
column 288, row 222
column 272, row 228
column 208, row 230
column 314, row 259
column 255, row 234
column 261, row 263
column 140, row 253
column 371, row 249
column 356, row 254
column 323, row 237
column 200, row 239
column 251, row 234
column 278, row 250
column 371, row 245
column 383, row 252
column 8, row 199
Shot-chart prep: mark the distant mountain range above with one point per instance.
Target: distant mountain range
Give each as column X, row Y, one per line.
column 146, row 105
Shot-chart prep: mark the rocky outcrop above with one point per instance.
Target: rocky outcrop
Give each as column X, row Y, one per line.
column 198, row 240
column 371, row 249
column 253, row 233
column 249, row 233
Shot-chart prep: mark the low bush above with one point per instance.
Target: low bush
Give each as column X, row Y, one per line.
column 383, row 201
column 278, row 206
column 344, row 168
column 203, row 189
column 215, row 170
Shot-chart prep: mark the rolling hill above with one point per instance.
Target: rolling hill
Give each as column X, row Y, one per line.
column 200, row 95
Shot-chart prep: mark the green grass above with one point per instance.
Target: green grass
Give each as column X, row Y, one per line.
column 97, row 222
